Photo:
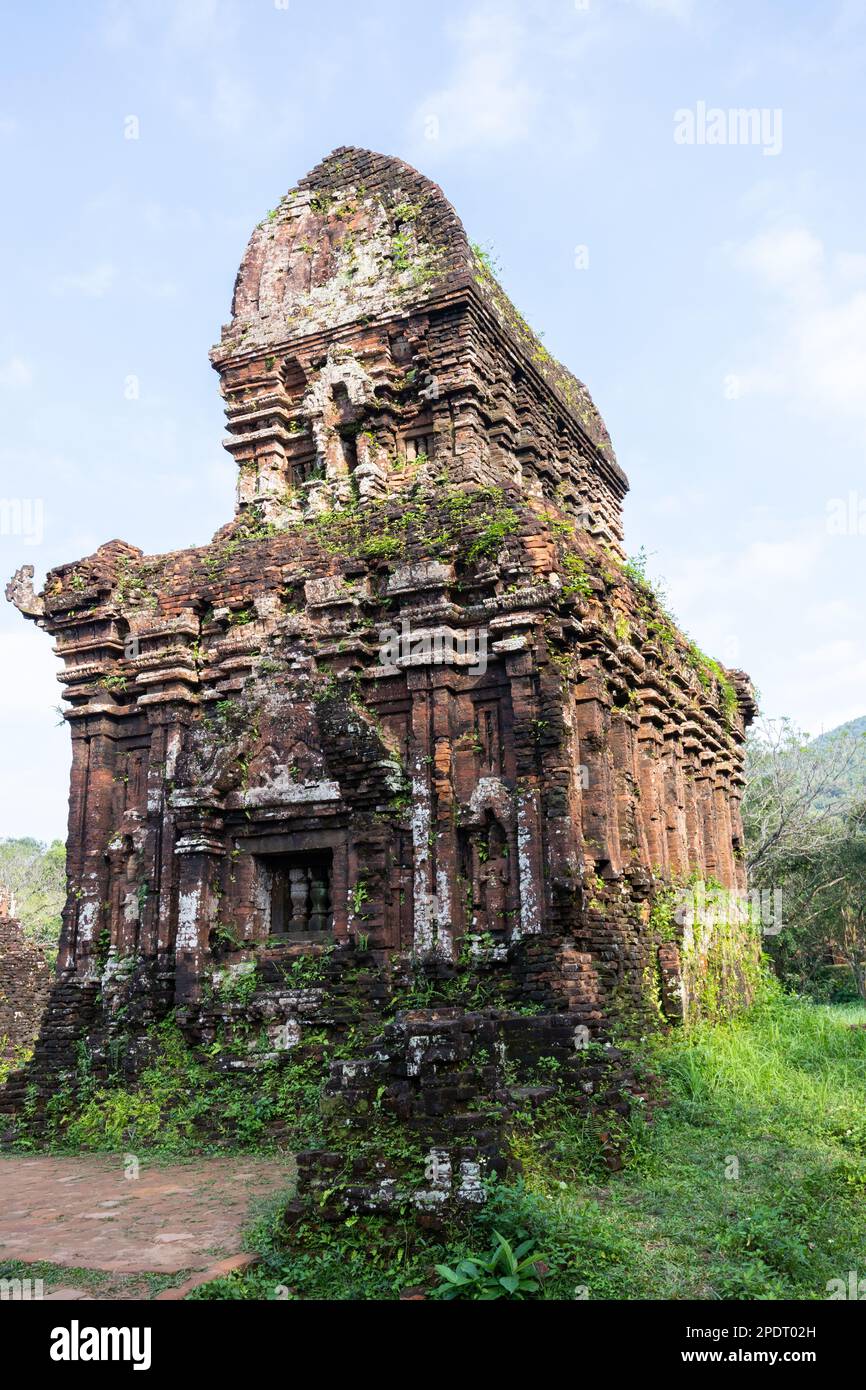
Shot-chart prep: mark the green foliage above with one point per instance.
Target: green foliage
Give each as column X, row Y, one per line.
column 138, row 583
column 182, row 1104
column 463, row 987
column 12, row 1058
column 578, row 579
column 475, row 525
column 33, row 875
column 487, row 261
column 238, row 985
column 99, row 1283
column 804, row 817
column 662, row 922
column 848, row 783
column 502, row 1273
column 307, row 971
column 749, row 1183
column 710, row 673
column 361, row 1258
column 360, row 895
column 497, row 527
column 381, row 547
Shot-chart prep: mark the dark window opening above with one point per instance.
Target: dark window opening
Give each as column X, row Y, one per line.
column 487, row 738
column 301, row 895
column 304, row 469
column 420, row 446
column 349, row 445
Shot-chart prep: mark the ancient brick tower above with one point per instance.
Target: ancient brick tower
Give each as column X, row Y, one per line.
column 410, row 703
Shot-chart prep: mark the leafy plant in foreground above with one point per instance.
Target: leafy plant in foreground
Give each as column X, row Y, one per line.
column 504, row 1273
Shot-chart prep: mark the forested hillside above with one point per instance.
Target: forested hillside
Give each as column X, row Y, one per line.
column 851, row 777
column 804, row 815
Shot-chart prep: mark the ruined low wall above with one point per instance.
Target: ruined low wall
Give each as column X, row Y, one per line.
column 25, row 983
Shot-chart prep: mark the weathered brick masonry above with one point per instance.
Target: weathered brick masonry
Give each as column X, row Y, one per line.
column 407, row 712
column 25, row 982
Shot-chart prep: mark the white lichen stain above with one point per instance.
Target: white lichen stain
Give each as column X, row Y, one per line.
column 530, row 920
column 188, row 913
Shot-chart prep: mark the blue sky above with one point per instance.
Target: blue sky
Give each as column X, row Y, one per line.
column 712, row 296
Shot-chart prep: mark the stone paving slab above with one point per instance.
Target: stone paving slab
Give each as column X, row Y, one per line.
column 82, row 1212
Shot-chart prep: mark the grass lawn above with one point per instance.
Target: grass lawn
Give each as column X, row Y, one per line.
column 752, row 1183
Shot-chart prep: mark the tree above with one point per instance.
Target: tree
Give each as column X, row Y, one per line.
column 790, row 806
column 804, row 834
column 839, row 904
column 33, row 879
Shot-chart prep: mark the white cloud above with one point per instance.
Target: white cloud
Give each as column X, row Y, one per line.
column 769, row 567
column 811, row 348
column 206, row 33
column 186, row 24
column 684, row 502
column 760, row 602
column 851, row 265
column 776, row 561
column 488, row 101
column 829, row 678
column 202, row 24
column 157, row 289
column 831, row 613
column 232, row 104
column 788, row 258
column 681, row 10
column 34, row 770
column 531, row 70
column 31, row 669
column 16, row 374
column 94, row 284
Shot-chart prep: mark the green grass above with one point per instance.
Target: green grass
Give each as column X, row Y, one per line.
column 777, row 1097
column 750, row 1184
column 97, row 1283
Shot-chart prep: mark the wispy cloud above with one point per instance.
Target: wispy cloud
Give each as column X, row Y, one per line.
column 488, row 100
column 766, row 585
column 811, row 344
column 519, row 69
column 223, row 101
column 94, row 283
column 15, row 374
column 681, row 10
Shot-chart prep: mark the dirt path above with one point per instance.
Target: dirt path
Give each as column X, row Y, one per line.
column 85, row 1213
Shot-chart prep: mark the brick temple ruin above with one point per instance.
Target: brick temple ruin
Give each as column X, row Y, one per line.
column 409, row 711
column 25, row 983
